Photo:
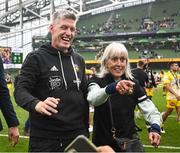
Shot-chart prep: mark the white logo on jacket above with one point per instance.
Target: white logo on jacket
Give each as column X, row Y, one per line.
column 54, row 68
column 55, row 82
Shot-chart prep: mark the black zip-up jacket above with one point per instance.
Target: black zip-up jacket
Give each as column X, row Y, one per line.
column 141, row 76
column 5, row 102
column 123, row 107
column 48, row 72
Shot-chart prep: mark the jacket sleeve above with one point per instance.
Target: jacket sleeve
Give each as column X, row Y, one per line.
column 27, row 80
column 150, row 112
column 5, row 101
column 96, row 95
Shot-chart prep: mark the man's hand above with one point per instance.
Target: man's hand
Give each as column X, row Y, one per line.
column 13, row 134
column 154, row 139
column 48, row 106
column 125, row 86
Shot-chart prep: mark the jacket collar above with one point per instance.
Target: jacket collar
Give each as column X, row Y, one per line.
column 48, row 48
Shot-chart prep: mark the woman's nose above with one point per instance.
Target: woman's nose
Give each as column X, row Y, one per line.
column 118, row 61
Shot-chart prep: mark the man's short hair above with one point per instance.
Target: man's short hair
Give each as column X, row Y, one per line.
column 171, row 63
column 63, row 14
column 140, row 63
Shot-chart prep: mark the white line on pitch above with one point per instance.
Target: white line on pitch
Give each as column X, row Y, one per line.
column 167, row 147
column 21, row 136
column 148, row 146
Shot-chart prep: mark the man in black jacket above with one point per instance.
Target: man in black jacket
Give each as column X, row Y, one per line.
column 52, row 86
column 7, row 109
column 140, row 74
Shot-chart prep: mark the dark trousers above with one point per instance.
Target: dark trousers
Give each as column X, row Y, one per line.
column 27, row 124
column 37, row 144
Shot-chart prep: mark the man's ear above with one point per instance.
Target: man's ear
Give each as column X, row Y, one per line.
column 50, row 27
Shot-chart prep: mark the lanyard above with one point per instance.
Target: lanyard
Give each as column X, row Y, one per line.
column 175, row 78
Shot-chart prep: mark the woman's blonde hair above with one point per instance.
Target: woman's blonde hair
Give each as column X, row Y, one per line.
column 115, row 50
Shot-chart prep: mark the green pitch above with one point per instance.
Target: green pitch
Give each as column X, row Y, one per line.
column 169, row 141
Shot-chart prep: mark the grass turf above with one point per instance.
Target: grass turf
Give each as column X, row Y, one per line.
column 168, row 140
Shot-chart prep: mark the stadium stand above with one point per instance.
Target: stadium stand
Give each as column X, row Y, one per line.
column 147, row 17
column 161, row 17
column 150, row 30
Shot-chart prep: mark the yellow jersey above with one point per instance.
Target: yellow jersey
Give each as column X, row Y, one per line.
column 172, row 79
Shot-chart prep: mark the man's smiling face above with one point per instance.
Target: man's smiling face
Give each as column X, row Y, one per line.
column 63, row 33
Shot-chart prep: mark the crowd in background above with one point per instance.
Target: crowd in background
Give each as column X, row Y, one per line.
column 118, row 23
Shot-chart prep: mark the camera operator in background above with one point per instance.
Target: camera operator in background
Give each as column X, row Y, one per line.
column 151, row 84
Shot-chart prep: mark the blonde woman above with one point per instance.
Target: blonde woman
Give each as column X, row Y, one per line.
column 112, row 101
